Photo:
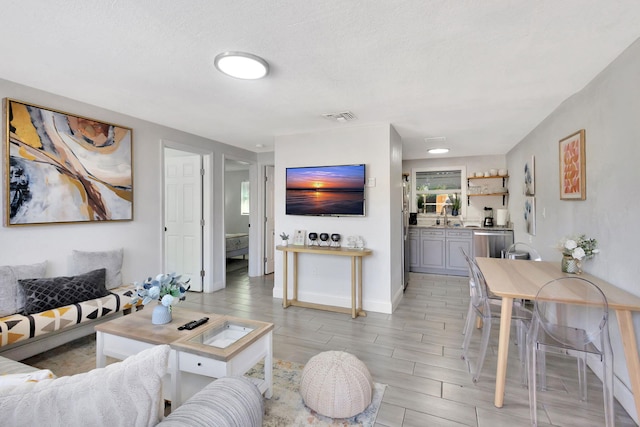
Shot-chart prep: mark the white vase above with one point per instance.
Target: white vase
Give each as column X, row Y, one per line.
column 285, row 242
column 161, row 315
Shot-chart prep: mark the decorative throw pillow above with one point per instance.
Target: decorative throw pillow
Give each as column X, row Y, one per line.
column 125, row 393
column 82, row 262
column 53, row 292
column 11, row 296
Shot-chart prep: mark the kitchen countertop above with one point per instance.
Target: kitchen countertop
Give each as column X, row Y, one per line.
column 459, row 227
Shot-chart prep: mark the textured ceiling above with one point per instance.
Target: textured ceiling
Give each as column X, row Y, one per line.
column 481, row 73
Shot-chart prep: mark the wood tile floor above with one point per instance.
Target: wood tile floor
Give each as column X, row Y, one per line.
column 416, row 352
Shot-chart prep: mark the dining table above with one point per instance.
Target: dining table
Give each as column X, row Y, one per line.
column 521, row 279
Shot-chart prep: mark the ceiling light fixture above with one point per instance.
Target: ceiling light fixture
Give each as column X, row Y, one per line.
column 242, row 65
column 437, row 150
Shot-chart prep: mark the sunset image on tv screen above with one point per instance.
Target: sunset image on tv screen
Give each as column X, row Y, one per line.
column 325, row 190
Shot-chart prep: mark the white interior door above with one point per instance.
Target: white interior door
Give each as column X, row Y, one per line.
column 183, row 216
column 269, row 229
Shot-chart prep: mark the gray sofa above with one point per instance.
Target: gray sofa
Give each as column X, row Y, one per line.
column 125, row 393
column 24, row 335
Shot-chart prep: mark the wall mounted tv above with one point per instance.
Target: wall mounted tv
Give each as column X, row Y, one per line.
column 326, row 190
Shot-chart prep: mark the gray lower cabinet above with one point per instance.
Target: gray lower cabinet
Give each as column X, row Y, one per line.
column 437, row 250
column 432, row 244
column 457, row 239
column 414, row 249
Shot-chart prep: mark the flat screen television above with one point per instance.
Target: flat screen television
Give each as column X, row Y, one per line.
column 326, row 190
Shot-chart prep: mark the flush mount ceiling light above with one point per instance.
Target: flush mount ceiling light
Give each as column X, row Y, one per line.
column 242, row 65
column 437, row 150
column 435, row 142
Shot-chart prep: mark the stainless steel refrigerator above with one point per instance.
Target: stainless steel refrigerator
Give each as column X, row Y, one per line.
column 405, row 230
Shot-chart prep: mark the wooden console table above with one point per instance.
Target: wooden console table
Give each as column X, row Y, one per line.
column 356, row 277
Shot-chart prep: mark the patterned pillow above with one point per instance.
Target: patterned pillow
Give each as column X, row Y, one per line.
column 11, row 296
column 83, row 262
column 53, row 292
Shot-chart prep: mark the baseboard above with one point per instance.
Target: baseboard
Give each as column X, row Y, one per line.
column 367, row 305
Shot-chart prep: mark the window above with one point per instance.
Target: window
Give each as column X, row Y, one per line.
column 436, row 188
column 244, row 198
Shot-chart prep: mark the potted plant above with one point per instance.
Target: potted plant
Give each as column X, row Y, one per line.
column 455, row 205
column 285, row 238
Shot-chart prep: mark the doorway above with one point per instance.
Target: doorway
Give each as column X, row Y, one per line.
column 183, row 214
column 237, row 211
column 269, row 221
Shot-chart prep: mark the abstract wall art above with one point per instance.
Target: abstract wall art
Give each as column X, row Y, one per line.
column 530, row 214
column 63, row 168
column 530, row 177
column 573, row 170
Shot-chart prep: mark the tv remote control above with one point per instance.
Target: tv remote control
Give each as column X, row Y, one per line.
column 194, row 324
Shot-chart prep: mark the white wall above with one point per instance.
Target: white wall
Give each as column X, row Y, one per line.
column 142, row 238
column 326, row 279
column 475, row 210
column 608, row 109
column 233, row 221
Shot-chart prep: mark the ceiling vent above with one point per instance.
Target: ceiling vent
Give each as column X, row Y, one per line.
column 345, row 116
column 435, row 140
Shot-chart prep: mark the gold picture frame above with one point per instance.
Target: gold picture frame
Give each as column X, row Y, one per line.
column 573, row 173
column 65, row 168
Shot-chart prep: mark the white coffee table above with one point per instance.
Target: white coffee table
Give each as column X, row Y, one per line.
column 191, row 363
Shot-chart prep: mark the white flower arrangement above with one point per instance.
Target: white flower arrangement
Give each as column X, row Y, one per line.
column 166, row 288
column 579, row 247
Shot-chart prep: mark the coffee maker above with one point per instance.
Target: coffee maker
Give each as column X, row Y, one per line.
column 488, row 217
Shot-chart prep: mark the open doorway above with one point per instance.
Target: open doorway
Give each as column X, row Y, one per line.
column 237, row 210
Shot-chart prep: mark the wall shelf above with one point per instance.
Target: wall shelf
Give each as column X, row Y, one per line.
column 503, row 194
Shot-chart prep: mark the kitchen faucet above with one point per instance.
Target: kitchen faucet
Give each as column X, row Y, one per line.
column 443, row 212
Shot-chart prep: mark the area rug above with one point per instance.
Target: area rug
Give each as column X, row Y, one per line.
column 284, row 409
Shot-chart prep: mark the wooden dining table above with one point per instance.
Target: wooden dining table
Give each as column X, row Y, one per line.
column 521, row 279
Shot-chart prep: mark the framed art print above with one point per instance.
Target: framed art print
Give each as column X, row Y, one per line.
column 63, row 168
column 573, row 174
column 299, row 237
column 530, row 177
column 530, row 214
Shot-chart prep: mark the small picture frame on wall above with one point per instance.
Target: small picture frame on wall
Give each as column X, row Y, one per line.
column 530, row 177
column 530, row 214
column 573, row 173
column 299, row 237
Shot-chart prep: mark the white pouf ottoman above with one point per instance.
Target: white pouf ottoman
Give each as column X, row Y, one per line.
column 336, row 384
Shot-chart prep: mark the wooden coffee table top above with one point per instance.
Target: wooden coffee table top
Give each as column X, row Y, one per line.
column 196, row 342
column 138, row 326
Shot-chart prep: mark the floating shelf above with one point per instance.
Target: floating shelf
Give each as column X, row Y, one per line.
column 504, row 195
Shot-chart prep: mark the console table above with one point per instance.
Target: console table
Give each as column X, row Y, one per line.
column 356, row 277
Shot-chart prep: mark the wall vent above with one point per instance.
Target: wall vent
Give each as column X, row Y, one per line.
column 345, row 116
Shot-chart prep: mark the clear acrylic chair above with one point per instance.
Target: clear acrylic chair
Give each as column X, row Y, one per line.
column 489, row 312
column 534, row 255
column 492, row 298
column 571, row 317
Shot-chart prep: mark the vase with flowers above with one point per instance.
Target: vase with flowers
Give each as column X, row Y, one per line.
column 167, row 289
column 575, row 250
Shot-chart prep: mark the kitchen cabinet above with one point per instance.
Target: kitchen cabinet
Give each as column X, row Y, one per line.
column 456, row 240
column 414, row 249
column 432, row 244
column 437, row 250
